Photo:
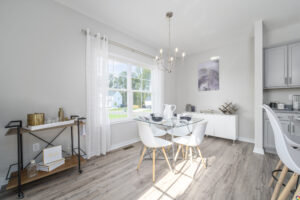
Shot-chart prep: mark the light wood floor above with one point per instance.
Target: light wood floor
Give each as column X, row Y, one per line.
column 233, row 172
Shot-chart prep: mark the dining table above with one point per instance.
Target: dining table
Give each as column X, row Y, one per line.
column 169, row 125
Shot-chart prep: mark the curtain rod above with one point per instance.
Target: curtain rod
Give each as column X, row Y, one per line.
column 123, row 46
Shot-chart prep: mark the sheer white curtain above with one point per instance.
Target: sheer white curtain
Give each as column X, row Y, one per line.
column 97, row 123
column 157, row 89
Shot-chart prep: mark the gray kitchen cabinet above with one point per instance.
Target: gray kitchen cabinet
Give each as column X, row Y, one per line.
column 295, row 127
column 290, row 123
column 294, row 65
column 269, row 141
column 275, row 70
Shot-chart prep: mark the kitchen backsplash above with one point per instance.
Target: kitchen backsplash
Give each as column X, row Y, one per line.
column 280, row 95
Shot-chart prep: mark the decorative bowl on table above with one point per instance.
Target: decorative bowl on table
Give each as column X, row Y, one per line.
column 157, row 118
column 187, row 118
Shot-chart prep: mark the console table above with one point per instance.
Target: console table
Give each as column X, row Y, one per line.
column 19, row 178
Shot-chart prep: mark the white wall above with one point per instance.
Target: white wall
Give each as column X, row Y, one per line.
column 42, row 66
column 236, row 82
column 283, row 35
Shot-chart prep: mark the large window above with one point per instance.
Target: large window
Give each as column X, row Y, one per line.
column 129, row 90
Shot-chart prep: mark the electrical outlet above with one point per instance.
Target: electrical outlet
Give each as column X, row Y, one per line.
column 36, row 147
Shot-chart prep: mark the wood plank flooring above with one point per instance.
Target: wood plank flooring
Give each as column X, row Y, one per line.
column 233, row 172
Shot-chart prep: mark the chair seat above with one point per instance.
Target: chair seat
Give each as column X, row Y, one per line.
column 158, row 143
column 181, row 131
column 293, row 140
column 185, row 140
column 295, row 154
column 157, row 132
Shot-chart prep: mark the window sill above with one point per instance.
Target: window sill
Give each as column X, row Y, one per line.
column 122, row 121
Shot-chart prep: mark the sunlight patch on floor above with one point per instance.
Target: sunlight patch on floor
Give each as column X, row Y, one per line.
column 173, row 185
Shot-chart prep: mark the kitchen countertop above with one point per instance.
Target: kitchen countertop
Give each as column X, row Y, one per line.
column 286, row 111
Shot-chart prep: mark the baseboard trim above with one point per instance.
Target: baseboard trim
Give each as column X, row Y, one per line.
column 248, row 140
column 258, row 150
column 123, row 144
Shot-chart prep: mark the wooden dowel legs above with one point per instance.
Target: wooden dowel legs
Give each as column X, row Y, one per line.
column 166, row 157
column 176, row 155
column 141, row 158
column 201, row 157
column 278, row 166
column 153, row 167
column 182, row 150
column 191, row 155
column 186, row 152
column 287, row 189
column 279, row 183
column 297, row 193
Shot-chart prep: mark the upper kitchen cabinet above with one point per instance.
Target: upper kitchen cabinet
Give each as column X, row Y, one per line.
column 275, row 70
column 294, row 65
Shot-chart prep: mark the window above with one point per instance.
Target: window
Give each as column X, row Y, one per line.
column 141, row 85
column 129, row 90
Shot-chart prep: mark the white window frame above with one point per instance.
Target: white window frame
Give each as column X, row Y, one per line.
column 129, row 90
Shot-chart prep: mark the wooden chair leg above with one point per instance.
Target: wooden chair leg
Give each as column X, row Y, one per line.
column 191, row 155
column 186, row 152
column 176, row 155
column 287, row 189
column 141, row 158
column 278, row 166
column 182, row 150
column 166, row 157
column 297, row 193
column 201, row 157
column 153, row 167
column 279, row 183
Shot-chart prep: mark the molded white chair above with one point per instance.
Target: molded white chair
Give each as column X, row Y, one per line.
column 194, row 140
column 149, row 141
column 158, row 132
column 182, row 131
column 287, row 154
column 293, row 140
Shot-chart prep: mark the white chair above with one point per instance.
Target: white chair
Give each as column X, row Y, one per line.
column 149, row 141
column 193, row 140
column 157, row 132
column 289, row 156
column 182, row 131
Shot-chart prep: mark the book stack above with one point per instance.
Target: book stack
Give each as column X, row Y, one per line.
column 50, row 166
column 52, row 159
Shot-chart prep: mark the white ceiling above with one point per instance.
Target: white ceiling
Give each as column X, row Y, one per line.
column 196, row 25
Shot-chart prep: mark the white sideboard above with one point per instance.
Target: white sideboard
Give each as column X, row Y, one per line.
column 220, row 125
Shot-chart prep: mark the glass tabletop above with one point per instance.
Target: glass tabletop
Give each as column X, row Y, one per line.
column 169, row 123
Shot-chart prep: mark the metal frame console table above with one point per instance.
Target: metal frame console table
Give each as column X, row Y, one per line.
column 19, row 178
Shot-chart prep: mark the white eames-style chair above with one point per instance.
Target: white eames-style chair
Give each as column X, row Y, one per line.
column 193, row 140
column 288, row 155
column 149, row 141
column 158, row 132
column 182, row 131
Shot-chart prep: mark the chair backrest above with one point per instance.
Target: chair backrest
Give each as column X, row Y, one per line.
column 183, row 130
column 146, row 134
column 285, row 151
column 199, row 132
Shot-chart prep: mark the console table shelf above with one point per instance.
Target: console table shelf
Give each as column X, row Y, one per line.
column 69, row 163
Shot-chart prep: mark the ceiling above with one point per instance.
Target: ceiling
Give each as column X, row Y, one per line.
column 196, row 25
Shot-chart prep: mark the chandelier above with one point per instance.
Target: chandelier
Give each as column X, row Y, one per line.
column 168, row 64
